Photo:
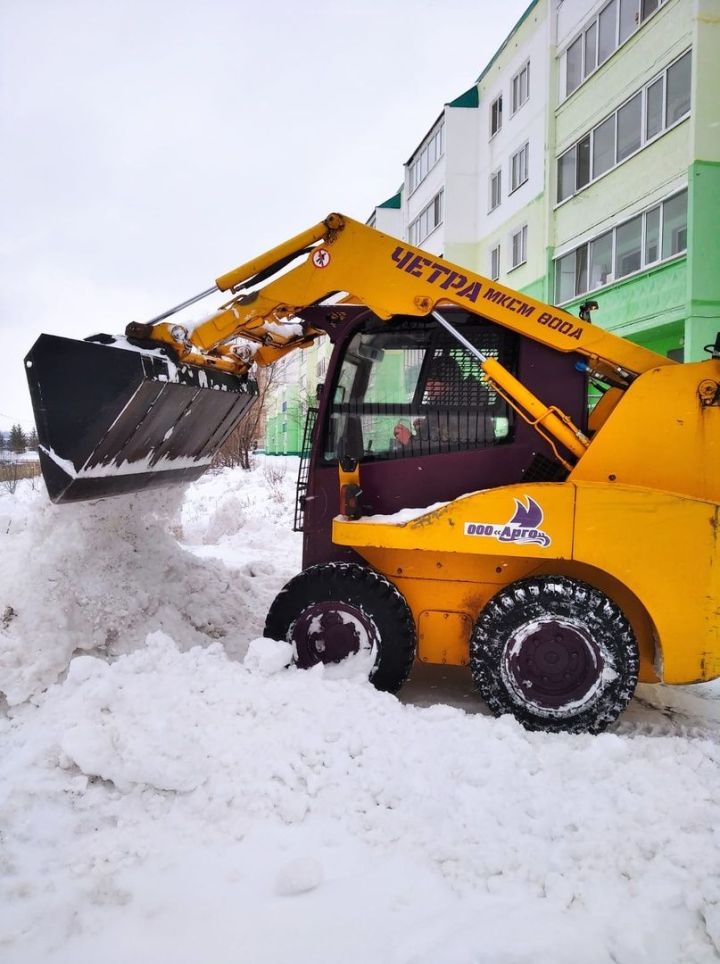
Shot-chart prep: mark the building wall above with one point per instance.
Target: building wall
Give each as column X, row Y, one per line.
column 293, row 393
column 390, row 221
column 462, row 179
column 672, row 305
column 705, row 123
column 703, row 281
column 638, row 306
column 529, row 44
column 657, row 168
column 417, row 200
column 675, row 301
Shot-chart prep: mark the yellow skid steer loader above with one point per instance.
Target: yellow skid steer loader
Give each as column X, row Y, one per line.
column 459, row 502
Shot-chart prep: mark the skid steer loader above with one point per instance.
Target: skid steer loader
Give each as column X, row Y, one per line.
column 459, row 502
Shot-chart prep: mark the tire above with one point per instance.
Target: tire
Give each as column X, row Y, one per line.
column 556, row 653
column 335, row 610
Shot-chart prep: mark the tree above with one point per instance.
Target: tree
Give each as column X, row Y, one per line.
column 243, row 440
column 33, row 441
column 18, row 440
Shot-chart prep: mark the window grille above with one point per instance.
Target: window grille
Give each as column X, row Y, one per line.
column 408, row 388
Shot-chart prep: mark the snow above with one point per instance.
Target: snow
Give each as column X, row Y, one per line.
column 136, row 467
column 172, row 789
column 402, row 516
column 285, row 329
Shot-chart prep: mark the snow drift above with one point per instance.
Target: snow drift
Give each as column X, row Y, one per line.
column 94, row 576
column 173, row 790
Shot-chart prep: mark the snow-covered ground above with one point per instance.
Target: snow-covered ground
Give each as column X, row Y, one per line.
column 170, row 791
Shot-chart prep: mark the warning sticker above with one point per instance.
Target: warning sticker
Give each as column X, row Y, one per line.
column 321, row 257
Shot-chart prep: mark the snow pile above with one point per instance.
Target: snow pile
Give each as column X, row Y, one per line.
column 222, row 506
column 130, row 782
column 182, row 793
column 98, row 576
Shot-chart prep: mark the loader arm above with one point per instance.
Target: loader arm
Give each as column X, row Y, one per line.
column 121, row 414
column 390, row 278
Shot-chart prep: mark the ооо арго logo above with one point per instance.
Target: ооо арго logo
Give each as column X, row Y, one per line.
column 523, row 529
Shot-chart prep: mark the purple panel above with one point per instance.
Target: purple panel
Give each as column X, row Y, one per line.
column 417, row 481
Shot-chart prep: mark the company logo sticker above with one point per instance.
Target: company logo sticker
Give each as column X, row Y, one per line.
column 321, row 257
column 522, row 530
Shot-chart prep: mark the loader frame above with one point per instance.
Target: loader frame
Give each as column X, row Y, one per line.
column 624, row 522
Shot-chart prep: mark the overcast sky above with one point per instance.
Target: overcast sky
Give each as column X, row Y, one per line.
column 148, row 146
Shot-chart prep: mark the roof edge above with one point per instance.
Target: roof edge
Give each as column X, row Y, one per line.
column 505, row 42
column 470, row 98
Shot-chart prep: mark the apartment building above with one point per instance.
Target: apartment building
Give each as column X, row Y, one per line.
column 584, row 163
column 291, row 395
column 510, row 144
column 635, row 188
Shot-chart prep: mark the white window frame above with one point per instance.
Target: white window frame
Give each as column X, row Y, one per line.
column 644, row 264
column 429, row 219
column 495, row 189
column 522, row 233
column 521, row 169
column 516, row 88
column 644, row 139
column 427, row 156
column 496, row 115
column 495, row 262
column 582, row 34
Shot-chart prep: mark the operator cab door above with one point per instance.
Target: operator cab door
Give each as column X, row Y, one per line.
column 414, row 408
column 408, row 389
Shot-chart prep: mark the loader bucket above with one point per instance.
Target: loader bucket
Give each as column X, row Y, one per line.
column 112, row 419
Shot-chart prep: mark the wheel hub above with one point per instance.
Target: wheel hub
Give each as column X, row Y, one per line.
column 329, row 632
column 553, row 665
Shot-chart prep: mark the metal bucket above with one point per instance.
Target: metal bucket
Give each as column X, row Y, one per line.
column 112, row 419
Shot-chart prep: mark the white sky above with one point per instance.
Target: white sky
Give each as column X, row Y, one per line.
column 148, row 146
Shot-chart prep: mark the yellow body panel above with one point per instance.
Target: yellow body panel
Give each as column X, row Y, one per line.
column 454, row 528
column 655, row 553
column 443, row 562
column 660, row 435
column 443, row 637
column 664, row 548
